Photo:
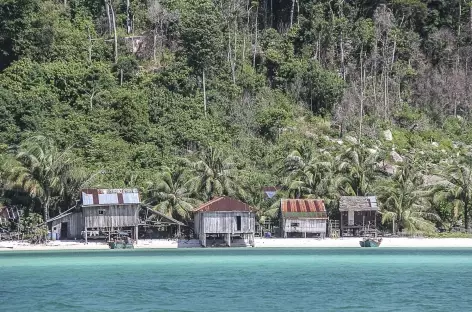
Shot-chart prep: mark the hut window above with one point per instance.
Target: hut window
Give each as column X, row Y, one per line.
column 101, row 212
column 295, row 224
column 238, row 223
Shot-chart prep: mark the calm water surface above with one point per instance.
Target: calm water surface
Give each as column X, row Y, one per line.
column 238, row 280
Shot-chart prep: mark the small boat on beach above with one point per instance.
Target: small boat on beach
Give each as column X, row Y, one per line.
column 370, row 242
column 121, row 242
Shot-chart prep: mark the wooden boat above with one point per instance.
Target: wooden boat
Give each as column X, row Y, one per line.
column 122, row 241
column 120, row 245
column 370, row 242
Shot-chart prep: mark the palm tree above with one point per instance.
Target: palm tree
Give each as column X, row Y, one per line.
column 297, row 160
column 171, row 194
column 215, row 175
column 405, row 204
column 314, row 180
column 43, row 170
column 357, row 169
column 457, row 187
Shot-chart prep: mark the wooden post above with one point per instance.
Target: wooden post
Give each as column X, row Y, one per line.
column 375, row 224
column 136, row 234
column 85, row 234
column 229, row 239
column 341, row 226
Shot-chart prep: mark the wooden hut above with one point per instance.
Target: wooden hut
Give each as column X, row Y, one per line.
column 103, row 211
column 226, row 218
column 358, row 215
column 303, row 217
column 270, row 191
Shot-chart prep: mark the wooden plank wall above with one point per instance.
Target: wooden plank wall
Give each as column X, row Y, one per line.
column 75, row 225
column 113, row 216
column 224, row 222
column 304, row 226
column 360, row 218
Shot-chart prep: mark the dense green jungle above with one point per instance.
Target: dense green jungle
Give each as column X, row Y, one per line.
column 187, row 100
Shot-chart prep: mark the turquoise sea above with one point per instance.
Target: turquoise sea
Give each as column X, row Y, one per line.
column 357, row 279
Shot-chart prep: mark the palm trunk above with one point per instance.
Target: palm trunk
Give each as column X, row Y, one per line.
column 47, row 203
column 466, row 216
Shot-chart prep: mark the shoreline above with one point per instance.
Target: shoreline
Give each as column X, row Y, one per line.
column 259, row 243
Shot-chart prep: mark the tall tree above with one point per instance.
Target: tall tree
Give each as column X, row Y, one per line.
column 215, row 175
column 357, row 169
column 458, row 187
column 171, row 193
column 43, row 170
column 404, row 202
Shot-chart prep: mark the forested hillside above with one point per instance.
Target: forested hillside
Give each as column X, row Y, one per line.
column 190, row 99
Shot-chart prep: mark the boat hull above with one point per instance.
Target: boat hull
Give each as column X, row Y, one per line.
column 115, row 245
column 370, row 243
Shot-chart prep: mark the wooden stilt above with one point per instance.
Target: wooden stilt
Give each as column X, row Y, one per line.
column 136, row 234
column 86, row 235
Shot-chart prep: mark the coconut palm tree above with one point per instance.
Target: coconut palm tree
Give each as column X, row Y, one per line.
column 171, row 193
column 314, row 180
column 404, row 203
column 357, row 170
column 42, row 170
column 457, row 187
column 297, row 160
column 215, row 175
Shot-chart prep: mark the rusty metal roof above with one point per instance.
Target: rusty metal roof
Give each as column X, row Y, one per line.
column 96, row 197
column 358, row 203
column 303, row 208
column 224, row 204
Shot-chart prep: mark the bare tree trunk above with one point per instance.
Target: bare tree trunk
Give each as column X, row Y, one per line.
column 204, row 94
column 255, row 41
column 107, row 8
column 90, row 45
column 128, row 18
column 154, row 45
column 385, row 93
column 91, row 98
column 114, row 33
column 235, row 50
column 291, row 13
column 361, row 113
column 470, row 17
column 343, row 67
column 248, row 10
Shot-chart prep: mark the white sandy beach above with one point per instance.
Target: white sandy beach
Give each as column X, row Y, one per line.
column 259, row 242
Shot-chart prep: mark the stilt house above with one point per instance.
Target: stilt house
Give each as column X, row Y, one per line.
column 102, row 212
column 225, row 218
column 358, row 215
column 303, row 218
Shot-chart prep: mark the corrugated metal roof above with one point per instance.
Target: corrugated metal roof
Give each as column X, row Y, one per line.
column 96, row 197
column 303, row 208
column 358, row 203
column 224, row 204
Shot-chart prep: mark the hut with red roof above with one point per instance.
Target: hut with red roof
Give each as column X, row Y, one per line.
column 303, row 218
column 226, row 219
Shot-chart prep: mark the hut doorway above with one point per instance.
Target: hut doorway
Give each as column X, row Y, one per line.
column 63, row 230
column 238, row 223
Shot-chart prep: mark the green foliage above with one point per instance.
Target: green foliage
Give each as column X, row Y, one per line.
column 273, row 92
